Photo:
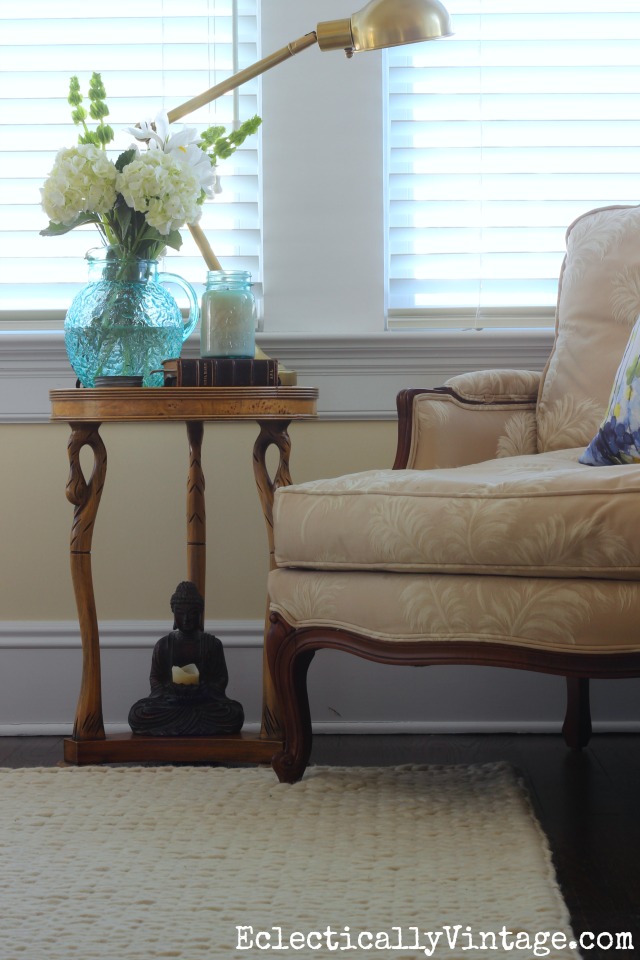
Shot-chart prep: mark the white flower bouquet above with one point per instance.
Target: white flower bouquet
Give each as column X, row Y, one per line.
column 124, row 323
column 140, row 201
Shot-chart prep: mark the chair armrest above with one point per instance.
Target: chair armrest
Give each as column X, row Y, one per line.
column 471, row 418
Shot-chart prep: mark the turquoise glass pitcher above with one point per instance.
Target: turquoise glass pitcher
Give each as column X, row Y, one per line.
column 124, row 322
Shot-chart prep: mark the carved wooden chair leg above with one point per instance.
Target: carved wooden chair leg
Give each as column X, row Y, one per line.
column 577, row 722
column 288, row 664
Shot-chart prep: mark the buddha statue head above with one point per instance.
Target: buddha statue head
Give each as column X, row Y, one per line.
column 187, row 606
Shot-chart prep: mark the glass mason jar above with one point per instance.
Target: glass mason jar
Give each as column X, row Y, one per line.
column 124, row 322
column 228, row 325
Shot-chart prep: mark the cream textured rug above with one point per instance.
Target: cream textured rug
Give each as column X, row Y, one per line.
column 202, row 863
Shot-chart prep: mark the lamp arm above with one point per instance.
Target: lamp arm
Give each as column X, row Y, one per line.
column 204, row 247
column 261, row 66
column 213, row 93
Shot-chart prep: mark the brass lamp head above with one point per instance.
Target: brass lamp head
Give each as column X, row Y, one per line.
column 385, row 23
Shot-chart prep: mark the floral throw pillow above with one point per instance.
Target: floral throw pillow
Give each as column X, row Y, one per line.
column 618, row 437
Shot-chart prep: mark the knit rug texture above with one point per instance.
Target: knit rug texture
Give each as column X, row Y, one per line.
column 208, row 863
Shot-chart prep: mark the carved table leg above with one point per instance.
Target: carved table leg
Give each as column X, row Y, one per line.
column 86, row 498
column 272, row 433
column 196, row 518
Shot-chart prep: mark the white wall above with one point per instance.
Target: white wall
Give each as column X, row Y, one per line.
column 324, row 316
column 323, row 152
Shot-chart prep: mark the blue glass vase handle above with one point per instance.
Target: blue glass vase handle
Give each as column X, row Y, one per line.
column 194, row 309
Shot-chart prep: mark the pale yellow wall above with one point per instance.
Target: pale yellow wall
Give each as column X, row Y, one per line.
column 138, row 545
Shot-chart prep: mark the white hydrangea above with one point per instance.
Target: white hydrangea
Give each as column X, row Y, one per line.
column 164, row 189
column 83, row 180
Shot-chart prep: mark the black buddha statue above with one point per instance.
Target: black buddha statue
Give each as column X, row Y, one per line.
column 188, row 679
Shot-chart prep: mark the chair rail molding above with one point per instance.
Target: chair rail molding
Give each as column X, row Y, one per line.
column 117, row 634
column 358, row 376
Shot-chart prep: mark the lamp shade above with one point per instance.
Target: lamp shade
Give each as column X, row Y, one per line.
column 386, row 23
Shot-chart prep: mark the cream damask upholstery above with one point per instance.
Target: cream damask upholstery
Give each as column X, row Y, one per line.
column 478, row 416
column 598, row 303
column 539, row 515
column 488, row 542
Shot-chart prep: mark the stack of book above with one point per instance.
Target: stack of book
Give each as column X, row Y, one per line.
column 221, row 372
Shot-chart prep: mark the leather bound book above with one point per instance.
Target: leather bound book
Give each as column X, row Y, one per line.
column 220, row 372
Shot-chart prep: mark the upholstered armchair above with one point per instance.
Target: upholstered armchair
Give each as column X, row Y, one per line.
column 495, row 539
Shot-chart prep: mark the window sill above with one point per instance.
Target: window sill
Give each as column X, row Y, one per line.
column 358, row 376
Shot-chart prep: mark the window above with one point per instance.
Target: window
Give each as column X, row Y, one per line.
column 151, row 57
column 498, row 138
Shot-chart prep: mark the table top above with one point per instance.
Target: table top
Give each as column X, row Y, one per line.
column 122, row 404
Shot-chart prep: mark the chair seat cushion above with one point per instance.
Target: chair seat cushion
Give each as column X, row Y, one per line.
column 550, row 614
column 542, row 515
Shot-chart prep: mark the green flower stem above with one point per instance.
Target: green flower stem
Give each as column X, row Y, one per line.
column 103, row 134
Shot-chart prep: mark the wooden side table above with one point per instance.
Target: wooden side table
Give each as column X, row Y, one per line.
column 85, row 410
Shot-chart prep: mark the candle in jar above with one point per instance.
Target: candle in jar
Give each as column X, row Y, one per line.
column 228, row 324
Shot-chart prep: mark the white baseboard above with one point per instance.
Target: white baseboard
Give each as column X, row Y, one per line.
column 418, row 728
column 40, row 680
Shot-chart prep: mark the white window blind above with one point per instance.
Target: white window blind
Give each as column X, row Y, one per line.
column 151, row 56
column 498, row 138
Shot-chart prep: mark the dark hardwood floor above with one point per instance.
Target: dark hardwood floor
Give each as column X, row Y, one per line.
column 587, row 804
